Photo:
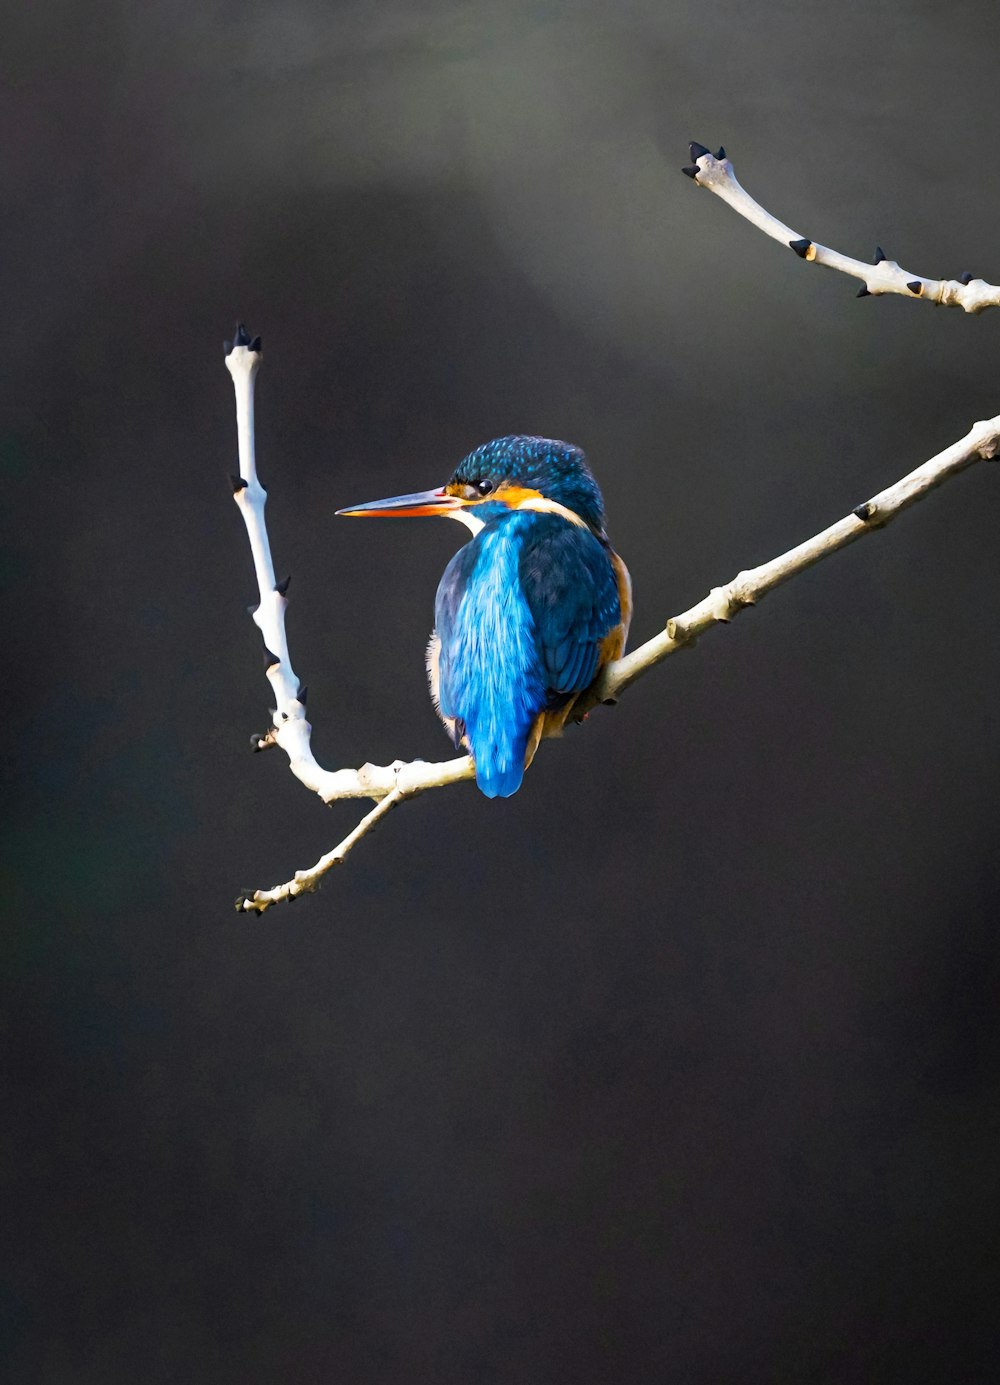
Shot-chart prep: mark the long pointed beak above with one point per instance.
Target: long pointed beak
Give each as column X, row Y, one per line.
column 437, row 502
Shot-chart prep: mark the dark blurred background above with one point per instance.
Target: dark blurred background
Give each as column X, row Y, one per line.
column 682, row 1064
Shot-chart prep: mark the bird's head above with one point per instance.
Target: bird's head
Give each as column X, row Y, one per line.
column 512, row 473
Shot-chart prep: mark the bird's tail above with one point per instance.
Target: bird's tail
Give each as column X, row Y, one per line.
column 499, row 762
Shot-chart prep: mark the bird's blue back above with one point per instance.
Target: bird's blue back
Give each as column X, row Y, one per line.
column 521, row 613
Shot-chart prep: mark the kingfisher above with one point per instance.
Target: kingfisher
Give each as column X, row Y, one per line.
column 528, row 612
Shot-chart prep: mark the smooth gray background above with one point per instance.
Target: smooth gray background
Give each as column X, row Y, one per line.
column 680, row 1065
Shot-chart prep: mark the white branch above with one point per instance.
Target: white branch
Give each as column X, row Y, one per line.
column 715, row 172
column 747, row 587
column 289, row 729
column 392, row 784
column 305, row 881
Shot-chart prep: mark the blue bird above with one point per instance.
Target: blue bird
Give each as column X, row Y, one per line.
column 529, row 612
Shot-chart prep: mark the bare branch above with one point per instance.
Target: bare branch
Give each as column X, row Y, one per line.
column 747, row 587
column 391, row 784
column 715, row 172
column 290, row 730
column 305, row 881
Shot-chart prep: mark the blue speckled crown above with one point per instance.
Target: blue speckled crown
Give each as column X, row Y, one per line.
column 557, row 469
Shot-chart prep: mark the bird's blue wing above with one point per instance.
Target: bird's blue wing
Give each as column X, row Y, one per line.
column 521, row 614
column 571, row 589
column 454, row 581
column 490, row 682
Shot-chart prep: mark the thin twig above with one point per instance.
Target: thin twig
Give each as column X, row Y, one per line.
column 305, row 881
column 715, row 172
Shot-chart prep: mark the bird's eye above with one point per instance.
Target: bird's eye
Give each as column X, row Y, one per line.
column 485, row 487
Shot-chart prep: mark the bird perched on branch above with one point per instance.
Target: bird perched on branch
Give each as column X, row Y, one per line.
column 530, row 611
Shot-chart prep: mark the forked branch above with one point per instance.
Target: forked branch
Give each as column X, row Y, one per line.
column 390, row 785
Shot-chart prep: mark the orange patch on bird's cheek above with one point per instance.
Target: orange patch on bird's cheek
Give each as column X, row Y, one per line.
column 515, row 496
column 521, row 498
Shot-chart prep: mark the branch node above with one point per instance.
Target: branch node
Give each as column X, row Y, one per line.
column 679, row 633
column 915, row 286
column 741, row 591
column 251, row 902
column 802, row 248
